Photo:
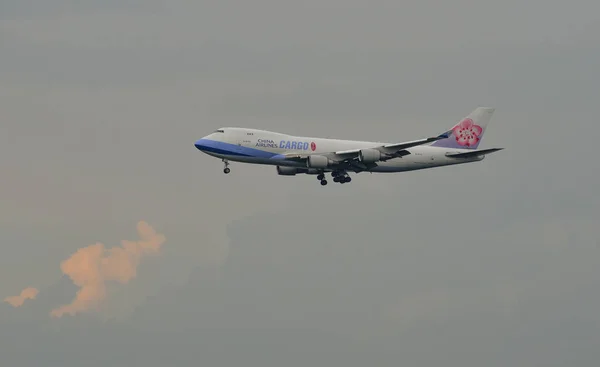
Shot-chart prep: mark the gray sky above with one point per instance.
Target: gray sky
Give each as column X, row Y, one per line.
column 492, row 264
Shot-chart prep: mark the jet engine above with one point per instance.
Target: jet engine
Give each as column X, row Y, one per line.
column 317, row 161
column 369, row 155
column 287, row 171
column 292, row 171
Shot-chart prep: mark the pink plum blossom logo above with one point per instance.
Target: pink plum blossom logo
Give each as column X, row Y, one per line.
column 467, row 133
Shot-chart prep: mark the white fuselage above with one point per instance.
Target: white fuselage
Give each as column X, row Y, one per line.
column 266, row 147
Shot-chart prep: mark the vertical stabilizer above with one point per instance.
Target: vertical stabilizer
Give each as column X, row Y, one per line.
column 467, row 134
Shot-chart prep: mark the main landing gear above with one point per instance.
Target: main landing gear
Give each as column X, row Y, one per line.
column 338, row 176
column 226, row 170
column 341, row 177
column 321, row 177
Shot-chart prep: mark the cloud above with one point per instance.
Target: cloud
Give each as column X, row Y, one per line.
column 17, row 301
column 91, row 267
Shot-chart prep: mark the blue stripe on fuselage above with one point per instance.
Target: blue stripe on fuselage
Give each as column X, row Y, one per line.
column 219, row 147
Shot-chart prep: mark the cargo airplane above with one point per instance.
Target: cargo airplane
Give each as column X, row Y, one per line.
column 294, row 155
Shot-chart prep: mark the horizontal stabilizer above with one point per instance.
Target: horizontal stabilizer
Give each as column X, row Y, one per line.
column 474, row 153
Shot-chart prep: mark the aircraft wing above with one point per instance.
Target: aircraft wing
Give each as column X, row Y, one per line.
column 473, row 153
column 349, row 158
column 394, row 150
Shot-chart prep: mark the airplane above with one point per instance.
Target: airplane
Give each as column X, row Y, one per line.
column 294, row 155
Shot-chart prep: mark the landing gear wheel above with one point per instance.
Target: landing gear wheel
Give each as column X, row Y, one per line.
column 323, row 182
column 342, row 178
column 226, row 170
column 320, row 177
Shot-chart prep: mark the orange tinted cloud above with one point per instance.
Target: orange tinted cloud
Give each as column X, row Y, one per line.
column 91, row 267
column 17, row 301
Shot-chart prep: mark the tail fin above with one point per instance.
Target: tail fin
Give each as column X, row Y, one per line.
column 467, row 134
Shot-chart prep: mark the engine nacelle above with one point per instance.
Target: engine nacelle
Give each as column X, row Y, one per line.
column 292, row 171
column 317, row 161
column 287, row 171
column 369, row 155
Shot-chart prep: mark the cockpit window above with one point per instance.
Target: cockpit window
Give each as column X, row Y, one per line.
column 219, row 131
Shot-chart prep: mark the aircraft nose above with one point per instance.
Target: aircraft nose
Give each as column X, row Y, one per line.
column 200, row 144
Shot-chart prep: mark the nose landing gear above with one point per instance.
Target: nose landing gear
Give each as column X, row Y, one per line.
column 226, row 170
